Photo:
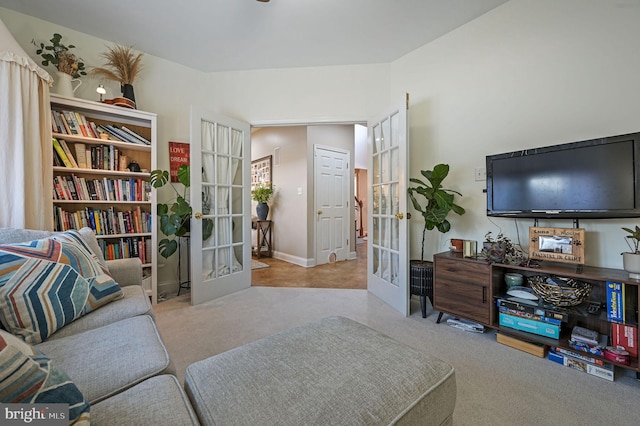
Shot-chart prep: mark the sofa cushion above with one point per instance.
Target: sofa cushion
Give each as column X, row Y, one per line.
column 162, row 397
column 134, row 302
column 47, row 283
column 27, row 376
column 107, row 360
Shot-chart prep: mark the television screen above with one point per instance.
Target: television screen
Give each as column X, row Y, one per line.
column 595, row 178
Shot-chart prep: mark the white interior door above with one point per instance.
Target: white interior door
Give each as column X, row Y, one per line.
column 331, row 177
column 220, row 197
column 387, row 261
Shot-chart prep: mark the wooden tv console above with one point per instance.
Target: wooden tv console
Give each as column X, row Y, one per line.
column 468, row 288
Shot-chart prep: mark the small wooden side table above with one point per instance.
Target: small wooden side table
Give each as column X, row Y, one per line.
column 264, row 241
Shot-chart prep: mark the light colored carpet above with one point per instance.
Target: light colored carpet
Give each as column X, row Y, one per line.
column 497, row 385
column 255, row 264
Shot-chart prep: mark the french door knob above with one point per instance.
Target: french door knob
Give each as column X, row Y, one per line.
column 400, row 215
column 198, row 215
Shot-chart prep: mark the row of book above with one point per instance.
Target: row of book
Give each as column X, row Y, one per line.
column 104, row 222
column 99, row 157
column 75, row 123
column 126, row 248
column 105, row 189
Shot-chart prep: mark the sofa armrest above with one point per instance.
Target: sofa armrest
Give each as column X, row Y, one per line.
column 126, row 271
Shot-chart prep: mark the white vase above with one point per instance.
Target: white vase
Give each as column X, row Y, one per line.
column 63, row 84
column 631, row 264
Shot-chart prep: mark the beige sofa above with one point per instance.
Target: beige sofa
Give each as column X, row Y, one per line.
column 115, row 354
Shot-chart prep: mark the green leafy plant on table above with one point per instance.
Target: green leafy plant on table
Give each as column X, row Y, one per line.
column 262, row 193
column 175, row 219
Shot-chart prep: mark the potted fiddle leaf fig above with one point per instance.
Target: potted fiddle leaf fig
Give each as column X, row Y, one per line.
column 435, row 203
column 175, row 218
column 631, row 259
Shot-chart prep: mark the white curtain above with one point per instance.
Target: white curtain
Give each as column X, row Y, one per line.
column 222, row 147
column 25, row 139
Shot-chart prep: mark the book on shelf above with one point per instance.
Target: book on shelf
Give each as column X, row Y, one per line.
column 578, row 355
column 135, row 135
column 536, row 327
column 70, row 120
column 615, row 301
column 605, row 371
column 525, row 311
column 534, row 308
column 81, row 158
column 625, row 336
column 67, row 151
column 585, row 335
column 60, row 151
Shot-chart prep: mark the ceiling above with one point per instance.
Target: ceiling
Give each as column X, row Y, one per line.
column 233, row 35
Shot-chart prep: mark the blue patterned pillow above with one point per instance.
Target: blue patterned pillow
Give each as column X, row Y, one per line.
column 28, row 377
column 46, row 284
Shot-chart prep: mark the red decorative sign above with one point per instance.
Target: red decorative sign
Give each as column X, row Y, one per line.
column 178, row 155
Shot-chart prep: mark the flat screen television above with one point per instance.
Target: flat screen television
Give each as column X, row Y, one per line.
column 596, row 178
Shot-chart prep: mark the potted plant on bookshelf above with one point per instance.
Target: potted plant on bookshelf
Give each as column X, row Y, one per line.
column 262, row 194
column 434, row 203
column 631, row 259
column 502, row 250
column 175, row 218
column 69, row 67
column 122, row 66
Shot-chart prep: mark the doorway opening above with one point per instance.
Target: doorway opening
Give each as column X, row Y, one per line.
column 293, row 211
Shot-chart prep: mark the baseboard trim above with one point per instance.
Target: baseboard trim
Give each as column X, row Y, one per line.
column 300, row 261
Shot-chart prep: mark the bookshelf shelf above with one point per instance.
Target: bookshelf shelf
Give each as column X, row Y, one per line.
column 94, row 186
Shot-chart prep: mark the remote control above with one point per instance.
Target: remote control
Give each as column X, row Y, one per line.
column 593, row 308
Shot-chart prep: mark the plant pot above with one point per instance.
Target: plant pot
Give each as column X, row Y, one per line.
column 127, row 92
column 64, row 84
column 421, row 282
column 631, row 264
column 262, row 210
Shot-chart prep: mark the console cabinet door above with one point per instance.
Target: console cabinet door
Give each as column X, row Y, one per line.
column 462, row 288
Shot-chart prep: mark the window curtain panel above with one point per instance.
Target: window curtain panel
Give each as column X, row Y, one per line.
column 25, row 139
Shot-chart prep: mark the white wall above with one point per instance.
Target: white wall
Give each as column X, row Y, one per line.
column 288, row 209
column 527, row 74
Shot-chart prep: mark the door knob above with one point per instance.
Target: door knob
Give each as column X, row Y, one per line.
column 198, row 215
column 408, row 215
column 319, row 212
column 400, row 215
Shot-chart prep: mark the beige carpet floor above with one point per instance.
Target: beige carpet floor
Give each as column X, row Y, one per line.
column 497, row 385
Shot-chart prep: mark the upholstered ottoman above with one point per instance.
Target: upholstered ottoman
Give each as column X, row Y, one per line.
column 331, row 372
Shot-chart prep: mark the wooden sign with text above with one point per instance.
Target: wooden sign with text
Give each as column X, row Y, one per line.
column 564, row 245
column 179, row 154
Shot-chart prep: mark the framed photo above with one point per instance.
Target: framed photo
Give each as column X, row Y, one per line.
column 564, row 245
column 261, row 171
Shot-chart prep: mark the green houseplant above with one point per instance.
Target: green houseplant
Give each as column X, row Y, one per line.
column 262, row 194
column 631, row 259
column 60, row 56
column 434, row 203
column 175, row 219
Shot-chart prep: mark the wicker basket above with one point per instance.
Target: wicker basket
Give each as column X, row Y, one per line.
column 571, row 293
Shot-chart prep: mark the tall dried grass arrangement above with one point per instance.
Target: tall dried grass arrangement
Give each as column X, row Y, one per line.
column 122, row 65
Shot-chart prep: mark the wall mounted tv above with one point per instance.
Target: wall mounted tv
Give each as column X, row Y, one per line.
column 597, row 178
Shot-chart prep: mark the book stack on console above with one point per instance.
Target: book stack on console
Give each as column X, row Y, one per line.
column 529, row 316
column 585, row 363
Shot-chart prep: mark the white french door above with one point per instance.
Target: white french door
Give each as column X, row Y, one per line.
column 221, row 202
column 387, row 250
